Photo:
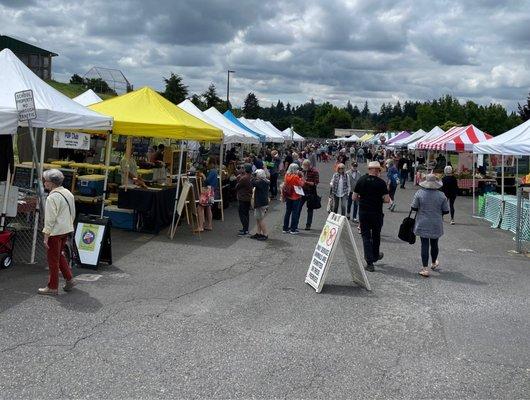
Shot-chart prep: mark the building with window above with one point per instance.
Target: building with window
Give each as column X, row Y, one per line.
column 37, row 59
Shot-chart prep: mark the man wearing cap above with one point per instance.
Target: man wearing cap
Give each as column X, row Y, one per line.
column 371, row 192
column 244, row 195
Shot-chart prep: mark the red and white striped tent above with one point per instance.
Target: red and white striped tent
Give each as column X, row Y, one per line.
column 459, row 139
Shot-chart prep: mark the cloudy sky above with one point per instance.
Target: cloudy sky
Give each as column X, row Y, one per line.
column 329, row 50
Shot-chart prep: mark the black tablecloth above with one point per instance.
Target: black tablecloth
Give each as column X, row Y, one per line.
column 154, row 207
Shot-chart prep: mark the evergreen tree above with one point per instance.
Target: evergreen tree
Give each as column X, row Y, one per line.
column 211, row 99
column 76, row 80
column 366, row 111
column 196, row 99
column 176, row 91
column 524, row 110
column 251, row 107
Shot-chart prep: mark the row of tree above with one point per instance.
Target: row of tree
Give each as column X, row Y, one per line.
column 320, row 120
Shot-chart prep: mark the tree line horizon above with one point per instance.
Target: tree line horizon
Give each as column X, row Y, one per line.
column 313, row 119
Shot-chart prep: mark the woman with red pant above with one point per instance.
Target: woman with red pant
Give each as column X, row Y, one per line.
column 58, row 223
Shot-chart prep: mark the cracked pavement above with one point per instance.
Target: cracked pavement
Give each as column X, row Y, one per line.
column 218, row 316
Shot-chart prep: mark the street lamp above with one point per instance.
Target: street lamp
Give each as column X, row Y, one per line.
column 228, row 88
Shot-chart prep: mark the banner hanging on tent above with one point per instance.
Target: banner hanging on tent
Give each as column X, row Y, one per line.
column 71, row 140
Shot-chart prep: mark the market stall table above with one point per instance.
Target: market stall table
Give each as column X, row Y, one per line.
column 153, row 207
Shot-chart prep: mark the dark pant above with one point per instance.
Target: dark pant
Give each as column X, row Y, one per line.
column 292, row 215
column 303, row 201
column 452, row 207
column 274, row 184
column 425, row 250
column 244, row 211
column 57, row 261
column 392, row 190
column 404, row 176
column 355, row 206
column 411, row 173
column 371, row 225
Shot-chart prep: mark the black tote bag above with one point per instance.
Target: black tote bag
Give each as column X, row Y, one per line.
column 406, row 229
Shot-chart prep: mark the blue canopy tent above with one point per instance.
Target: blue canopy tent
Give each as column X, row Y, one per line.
column 228, row 114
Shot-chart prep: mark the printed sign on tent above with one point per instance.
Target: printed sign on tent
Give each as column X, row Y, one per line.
column 71, row 140
column 336, row 230
column 25, row 105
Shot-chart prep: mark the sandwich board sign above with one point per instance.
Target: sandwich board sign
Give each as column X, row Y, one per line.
column 25, row 105
column 337, row 230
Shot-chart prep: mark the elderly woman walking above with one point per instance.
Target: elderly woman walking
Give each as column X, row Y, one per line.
column 261, row 203
column 58, row 223
column 340, row 189
column 430, row 205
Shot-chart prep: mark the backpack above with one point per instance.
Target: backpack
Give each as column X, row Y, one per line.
column 287, row 191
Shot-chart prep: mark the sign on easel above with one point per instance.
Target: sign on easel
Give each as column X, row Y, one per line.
column 336, row 230
column 93, row 241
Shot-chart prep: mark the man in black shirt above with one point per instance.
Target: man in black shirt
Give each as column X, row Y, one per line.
column 371, row 192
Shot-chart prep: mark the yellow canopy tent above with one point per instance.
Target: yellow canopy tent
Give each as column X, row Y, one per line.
column 146, row 113
column 366, row 137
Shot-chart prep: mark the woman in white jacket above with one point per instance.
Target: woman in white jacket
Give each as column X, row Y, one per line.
column 58, row 224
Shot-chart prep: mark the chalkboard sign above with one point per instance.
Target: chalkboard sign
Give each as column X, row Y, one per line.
column 175, row 162
column 22, row 177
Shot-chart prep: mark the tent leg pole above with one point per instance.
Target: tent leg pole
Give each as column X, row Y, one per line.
column 6, row 196
column 107, row 163
column 220, row 173
column 502, row 177
column 473, row 161
column 42, row 153
column 40, row 194
column 173, row 227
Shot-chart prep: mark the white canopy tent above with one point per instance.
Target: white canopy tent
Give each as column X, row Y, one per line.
column 225, row 123
column 260, row 127
column 420, row 133
column 88, row 98
column 229, row 136
column 515, row 142
column 279, row 132
column 292, row 134
column 54, row 110
column 432, row 134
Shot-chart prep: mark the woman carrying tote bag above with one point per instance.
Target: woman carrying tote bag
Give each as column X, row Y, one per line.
column 430, row 205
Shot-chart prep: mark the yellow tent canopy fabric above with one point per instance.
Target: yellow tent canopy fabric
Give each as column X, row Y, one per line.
column 366, row 137
column 146, row 113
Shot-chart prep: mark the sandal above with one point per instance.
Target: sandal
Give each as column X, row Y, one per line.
column 424, row 272
column 435, row 265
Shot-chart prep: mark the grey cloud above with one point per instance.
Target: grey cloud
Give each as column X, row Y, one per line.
column 331, row 50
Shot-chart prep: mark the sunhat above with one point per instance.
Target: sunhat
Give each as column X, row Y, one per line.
column 431, row 182
column 374, row 164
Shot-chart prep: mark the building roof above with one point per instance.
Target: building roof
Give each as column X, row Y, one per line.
column 18, row 46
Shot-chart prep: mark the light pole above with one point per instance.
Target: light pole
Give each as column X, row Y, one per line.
column 228, row 88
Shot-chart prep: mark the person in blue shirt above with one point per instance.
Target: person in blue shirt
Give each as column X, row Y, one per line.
column 393, row 181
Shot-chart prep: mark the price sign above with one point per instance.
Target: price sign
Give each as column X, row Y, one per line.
column 25, row 105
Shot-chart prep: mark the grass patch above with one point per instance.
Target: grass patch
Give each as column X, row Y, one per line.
column 72, row 90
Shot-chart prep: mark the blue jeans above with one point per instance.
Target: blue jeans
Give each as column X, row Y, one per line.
column 404, row 175
column 303, row 201
column 355, row 207
column 292, row 215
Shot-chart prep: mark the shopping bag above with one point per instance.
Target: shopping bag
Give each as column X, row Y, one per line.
column 406, row 229
column 314, row 201
column 329, row 207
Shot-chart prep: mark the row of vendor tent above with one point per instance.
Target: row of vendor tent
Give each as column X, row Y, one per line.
column 515, row 142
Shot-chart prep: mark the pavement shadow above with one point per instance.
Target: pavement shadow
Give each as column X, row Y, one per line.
column 345, row 290
column 79, row 300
